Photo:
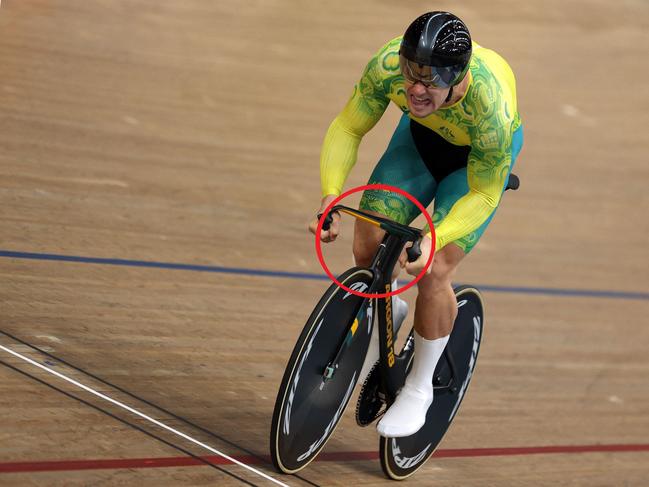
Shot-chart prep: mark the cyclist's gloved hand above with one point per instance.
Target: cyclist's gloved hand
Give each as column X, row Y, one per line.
column 332, row 233
column 414, row 268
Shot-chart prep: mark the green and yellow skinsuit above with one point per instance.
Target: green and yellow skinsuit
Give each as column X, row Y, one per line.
column 484, row 124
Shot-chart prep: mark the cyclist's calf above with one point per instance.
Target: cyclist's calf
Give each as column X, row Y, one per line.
column 436, row 306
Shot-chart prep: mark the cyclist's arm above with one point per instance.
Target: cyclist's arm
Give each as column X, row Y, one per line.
column 340, row 147
column 487, row 168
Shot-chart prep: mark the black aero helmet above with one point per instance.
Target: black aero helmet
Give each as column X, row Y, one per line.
column 435, row 50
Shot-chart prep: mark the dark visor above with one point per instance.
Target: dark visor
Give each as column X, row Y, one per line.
column 430, row 76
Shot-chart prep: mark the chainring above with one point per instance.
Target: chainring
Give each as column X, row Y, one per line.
column 371, row 401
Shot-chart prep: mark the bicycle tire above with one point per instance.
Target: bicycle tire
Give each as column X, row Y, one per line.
column 402, row 457
column 308, row 408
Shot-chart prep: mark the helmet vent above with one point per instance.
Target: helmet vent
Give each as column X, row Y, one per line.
column 453, row 39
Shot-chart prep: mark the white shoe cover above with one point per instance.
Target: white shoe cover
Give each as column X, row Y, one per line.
column 407, row 414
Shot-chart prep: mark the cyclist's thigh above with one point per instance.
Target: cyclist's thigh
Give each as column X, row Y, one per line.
column 400, row 166
column 450, row 190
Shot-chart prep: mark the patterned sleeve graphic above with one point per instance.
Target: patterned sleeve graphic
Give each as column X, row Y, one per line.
column 489, row 159
column 363, row 110
column 490, row 155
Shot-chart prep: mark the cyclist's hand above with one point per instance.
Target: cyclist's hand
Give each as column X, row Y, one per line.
column 414, row 268
column 334, row 229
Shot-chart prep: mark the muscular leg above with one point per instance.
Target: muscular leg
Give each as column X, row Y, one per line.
column 435, row 313
column 436, row 307
column 434, row 318
column 367, row 238
column 401, row 166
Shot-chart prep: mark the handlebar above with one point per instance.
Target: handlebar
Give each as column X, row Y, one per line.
column 328, row 220
column 407, row 234
column 414, row 252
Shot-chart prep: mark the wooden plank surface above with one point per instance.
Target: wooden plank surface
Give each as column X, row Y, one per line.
column 189, row 132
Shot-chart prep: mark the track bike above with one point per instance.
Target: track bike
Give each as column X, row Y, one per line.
column 324, row 366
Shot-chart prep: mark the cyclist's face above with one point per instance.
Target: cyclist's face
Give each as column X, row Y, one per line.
column 423, row 101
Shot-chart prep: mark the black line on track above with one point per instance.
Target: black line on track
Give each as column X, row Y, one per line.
column 582, row 293
column 149, row 403
column 134, row 426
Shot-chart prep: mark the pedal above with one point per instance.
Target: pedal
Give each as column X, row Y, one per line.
column 370, row 405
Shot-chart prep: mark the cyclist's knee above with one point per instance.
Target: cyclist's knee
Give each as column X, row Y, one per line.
column 441, row 274
column 366, row 241
column 434, row 283
column 364, row 250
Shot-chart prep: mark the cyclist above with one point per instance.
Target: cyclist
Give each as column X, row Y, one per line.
column 456, row 144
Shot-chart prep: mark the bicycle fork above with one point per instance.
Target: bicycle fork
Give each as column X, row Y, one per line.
column 382, row 265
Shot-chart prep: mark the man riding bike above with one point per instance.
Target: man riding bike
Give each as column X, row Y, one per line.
column 456, row 144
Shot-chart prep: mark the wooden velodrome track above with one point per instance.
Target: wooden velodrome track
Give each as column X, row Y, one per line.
column 188, row 132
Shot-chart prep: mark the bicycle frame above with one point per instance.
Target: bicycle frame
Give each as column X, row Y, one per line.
column 310, row 404
column 393, row 367
column 328, row 357
column 382, row 265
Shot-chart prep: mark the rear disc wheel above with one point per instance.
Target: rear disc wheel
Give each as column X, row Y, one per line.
column 402, row 457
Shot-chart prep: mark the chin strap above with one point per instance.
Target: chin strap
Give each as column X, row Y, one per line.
column 450, row 94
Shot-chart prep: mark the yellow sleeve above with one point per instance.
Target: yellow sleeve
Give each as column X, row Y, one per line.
column 340, row 147
column 363, row 110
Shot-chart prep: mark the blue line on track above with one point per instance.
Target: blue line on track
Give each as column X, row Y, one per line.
column 584, row 293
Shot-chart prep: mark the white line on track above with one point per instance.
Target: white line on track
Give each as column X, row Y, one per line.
column 142, row 415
